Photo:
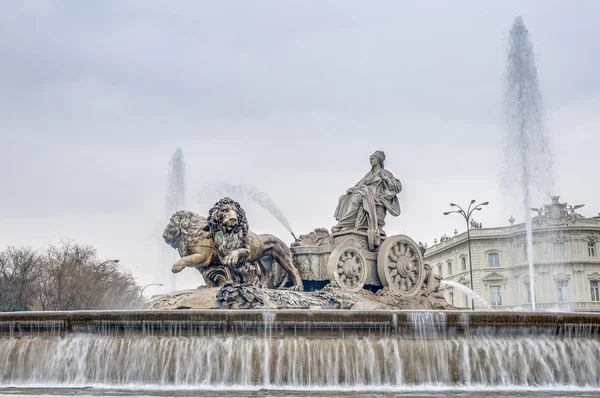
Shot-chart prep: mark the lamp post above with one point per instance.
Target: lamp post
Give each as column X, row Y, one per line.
column 114, row 260
column 150, row 284
column 467, row 217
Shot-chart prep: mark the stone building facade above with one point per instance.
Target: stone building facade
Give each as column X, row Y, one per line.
column 566, row 262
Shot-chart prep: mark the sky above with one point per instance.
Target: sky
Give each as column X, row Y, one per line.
column 291, row 97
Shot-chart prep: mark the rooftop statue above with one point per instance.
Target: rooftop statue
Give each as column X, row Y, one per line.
column 364, row 206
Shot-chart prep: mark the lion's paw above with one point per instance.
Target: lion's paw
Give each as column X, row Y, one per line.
column 178, row 267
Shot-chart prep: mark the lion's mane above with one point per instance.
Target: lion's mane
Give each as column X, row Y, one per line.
column 185, row 229
column 238, row 236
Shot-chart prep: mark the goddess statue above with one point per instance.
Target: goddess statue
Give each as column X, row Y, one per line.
column 365, row 205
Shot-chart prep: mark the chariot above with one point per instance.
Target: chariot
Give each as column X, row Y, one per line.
column 344, row 258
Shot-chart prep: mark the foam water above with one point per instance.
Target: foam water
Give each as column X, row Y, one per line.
column 355, row 351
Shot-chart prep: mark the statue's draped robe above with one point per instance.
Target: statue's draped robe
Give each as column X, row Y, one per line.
column 365, row 207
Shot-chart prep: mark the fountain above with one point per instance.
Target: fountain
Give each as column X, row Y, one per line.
column 349, row 310
column 472, row 294
column 370, row 351
column 529, row 164
column 250, row 192
column 175, row 193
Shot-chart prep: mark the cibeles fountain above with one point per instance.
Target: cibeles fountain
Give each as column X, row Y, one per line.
column 355, row 266
column 347, row 310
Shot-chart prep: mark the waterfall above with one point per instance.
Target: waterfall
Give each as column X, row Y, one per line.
column 319, row 350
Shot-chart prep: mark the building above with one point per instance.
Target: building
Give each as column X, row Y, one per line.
column 566, row 262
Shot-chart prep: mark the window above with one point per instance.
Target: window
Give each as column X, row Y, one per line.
column 451, row 298
column 592, row 249
column 562, row 290
column 449, row 267
column 464, row 263
column 595, row 290
column 495, row 296
column 525, row 252
column 559, row 249
column 493, row 260
column 439, row 267
column 528, row 292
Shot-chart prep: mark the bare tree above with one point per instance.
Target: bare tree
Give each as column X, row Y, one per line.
column 18, row 274
column 62, row 277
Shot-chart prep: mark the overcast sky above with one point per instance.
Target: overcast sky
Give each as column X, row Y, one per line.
column 289, row 96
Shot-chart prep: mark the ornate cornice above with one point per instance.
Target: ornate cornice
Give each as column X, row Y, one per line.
column 494, row 277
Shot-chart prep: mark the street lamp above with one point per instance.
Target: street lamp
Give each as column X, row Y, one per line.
column 150, row 284
column 115, row 260
column 467, row 217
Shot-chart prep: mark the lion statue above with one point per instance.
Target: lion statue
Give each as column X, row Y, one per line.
column 217, row 244
column 190, row 235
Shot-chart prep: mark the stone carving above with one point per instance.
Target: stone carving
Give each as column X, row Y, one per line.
column 318, row 237
column 364, row 206
column 242, row 250
column 330, row 297
column 594, row 276
column 432, row 283
column 190, row 234
column 556, row 213
column 475, row 224
column 400, row 264
column 340, row 269
column 194, row 238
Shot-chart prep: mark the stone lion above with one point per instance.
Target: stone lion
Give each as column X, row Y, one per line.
column 236, row 245
column 222, row 241
column 189, row 233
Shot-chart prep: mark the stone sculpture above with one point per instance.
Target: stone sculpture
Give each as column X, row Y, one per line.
column 190, row 234
column 223, row 249
column 239, row 248
column 355, row 266
column 364, row 206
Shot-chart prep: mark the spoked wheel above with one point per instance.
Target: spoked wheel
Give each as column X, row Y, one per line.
column 348, row 268
column 400, row 265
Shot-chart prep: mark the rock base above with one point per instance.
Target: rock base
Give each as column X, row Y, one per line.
column 330, row 297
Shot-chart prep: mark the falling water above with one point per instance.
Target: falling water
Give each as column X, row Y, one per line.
column 472, row 294
column 246, row 191
column 355, row 351
column 175, row 197
column 528, row 157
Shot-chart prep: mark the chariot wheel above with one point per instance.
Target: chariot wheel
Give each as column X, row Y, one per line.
column 348, row 268
column 400, row 265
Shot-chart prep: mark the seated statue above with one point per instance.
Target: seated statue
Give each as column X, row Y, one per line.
column 365, row 205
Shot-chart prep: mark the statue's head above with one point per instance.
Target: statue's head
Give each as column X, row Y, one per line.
column 377, row 158
column 228, row 216
column 184, row 227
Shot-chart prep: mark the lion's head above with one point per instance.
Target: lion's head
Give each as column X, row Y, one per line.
column 228, row 217
column 184, row 229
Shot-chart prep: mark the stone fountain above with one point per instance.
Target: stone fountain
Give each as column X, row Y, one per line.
column 340, row 311
column 355, row 266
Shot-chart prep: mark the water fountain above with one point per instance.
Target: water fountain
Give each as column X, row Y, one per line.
column 365, row 332
column 246, row 191
column 529, row 163
column 175, row 194
column 373, row 351
column 472, row 294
